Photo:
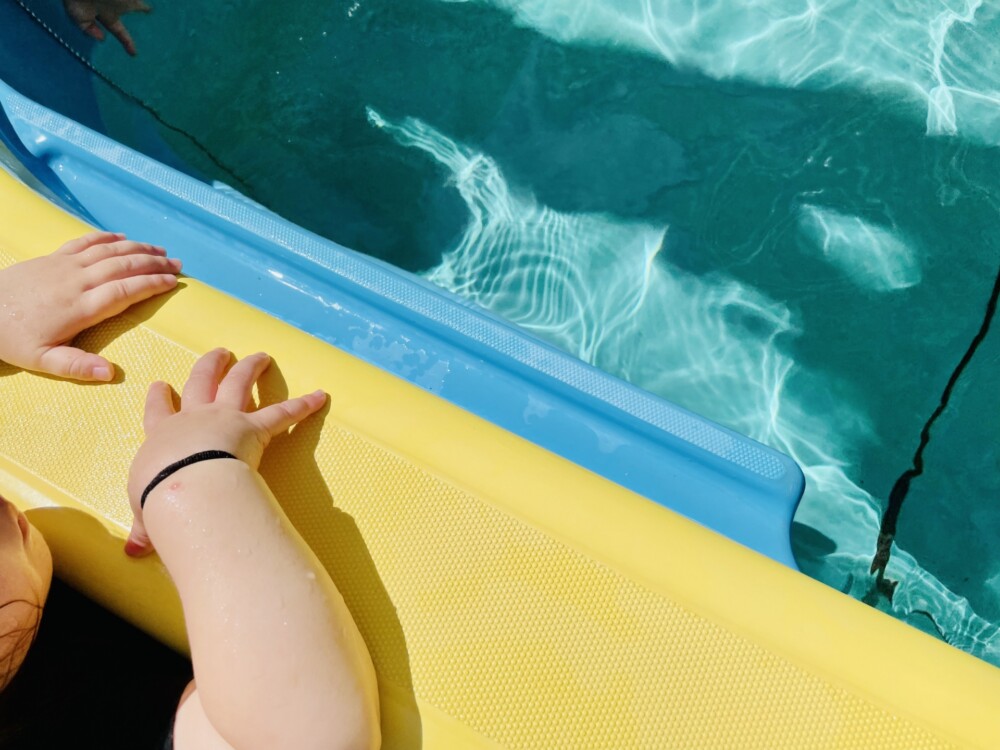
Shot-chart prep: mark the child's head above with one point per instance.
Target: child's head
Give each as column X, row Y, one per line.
column 25, row 575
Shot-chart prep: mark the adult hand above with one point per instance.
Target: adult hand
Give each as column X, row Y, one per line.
column 87, row 14
column 214, row 415
column 45, row 302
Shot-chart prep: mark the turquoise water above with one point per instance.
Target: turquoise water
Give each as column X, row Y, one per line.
column 781, row 215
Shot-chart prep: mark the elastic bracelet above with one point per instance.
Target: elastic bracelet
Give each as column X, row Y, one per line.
column 177, row 466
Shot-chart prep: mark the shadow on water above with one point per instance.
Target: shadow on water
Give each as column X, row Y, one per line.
column 775, row 188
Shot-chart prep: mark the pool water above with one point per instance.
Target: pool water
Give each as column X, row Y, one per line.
column 781, row 215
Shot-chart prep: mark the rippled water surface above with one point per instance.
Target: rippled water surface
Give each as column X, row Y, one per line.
column 782, row 215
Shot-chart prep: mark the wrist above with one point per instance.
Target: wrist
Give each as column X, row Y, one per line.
column 173, row 468
column 149, row 476
column 203, row 510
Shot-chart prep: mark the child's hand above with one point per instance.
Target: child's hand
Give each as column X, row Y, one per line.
column 87, row 13
column 213, row 416
column 45, row 302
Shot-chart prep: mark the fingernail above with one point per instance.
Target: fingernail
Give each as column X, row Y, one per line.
column 134, row 549
column 103, row 373
column 175, row 263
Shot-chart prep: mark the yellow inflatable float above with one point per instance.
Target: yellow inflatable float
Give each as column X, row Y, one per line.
column 509, row 597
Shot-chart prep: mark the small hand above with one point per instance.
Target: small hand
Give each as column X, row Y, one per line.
column 213, row 416
column 45, row 302
column 87, row 13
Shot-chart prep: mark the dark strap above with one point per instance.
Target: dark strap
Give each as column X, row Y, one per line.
column 177, row 466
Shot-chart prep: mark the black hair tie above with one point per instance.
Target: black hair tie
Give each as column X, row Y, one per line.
column 177, row 466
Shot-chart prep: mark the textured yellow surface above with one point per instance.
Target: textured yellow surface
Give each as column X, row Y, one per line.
column 508, row 597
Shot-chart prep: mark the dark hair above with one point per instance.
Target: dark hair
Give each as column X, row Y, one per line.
column 86, row 667
column 22, row 639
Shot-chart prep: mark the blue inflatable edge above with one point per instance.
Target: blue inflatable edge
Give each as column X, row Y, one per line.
column 425, row 335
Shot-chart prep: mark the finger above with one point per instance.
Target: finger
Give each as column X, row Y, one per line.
column 113, row 297
column 130, row 264
column 118, row 248
column 76, row 364
column 159, row 405
column 206, row 374
column 236, row 388
column 138, row 6
column 277, row 418
column 138, row 544
column 88, row 240
column 116, row 27
column 90, row 28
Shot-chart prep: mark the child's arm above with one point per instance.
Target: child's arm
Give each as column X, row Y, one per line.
column 45, row 302
column 278, row 660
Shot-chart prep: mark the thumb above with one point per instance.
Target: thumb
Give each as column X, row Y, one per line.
column 76, row 364
column 138, row 544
